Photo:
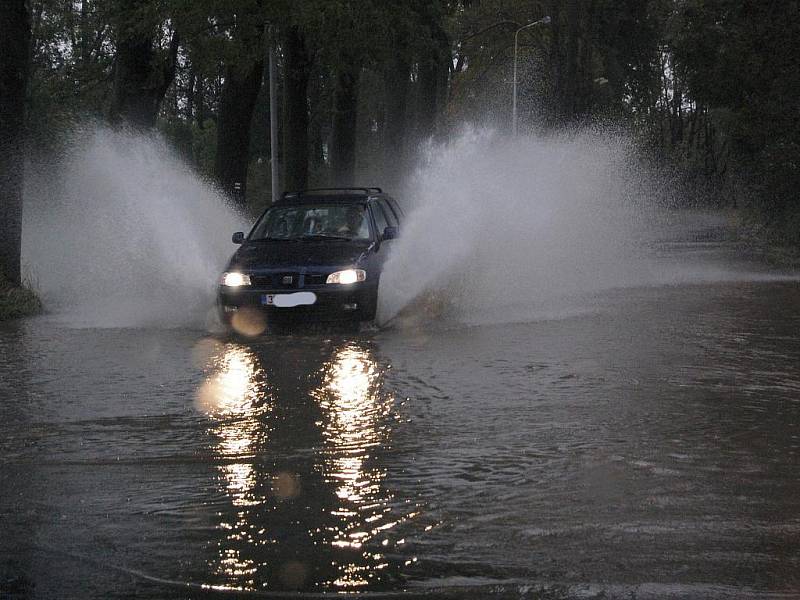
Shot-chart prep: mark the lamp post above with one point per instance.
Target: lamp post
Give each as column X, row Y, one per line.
column 269, row 35
column 273, row 118
column 542, row 21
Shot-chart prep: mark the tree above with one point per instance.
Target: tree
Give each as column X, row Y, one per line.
column 71, row 65
column 571, row 52
column 242, row 81
column 354, row 33
column 345, row 120
column 739, row 59
column 143, row 70
column 295, row 140
column 434, row 60
column 396, row 77
column 15, row 24
column 482, row 35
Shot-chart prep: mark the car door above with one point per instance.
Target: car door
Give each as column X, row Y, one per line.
column 398, row 212
column 384, row 217
column 391, row 213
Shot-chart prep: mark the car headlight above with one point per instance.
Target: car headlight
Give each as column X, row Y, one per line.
column 235, row 279
column 347, row 276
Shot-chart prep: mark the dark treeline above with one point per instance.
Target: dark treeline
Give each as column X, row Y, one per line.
column 709, row 86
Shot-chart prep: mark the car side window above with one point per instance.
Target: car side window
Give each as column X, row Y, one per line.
column 380, row 219
column 396, row 208
column 391, row 218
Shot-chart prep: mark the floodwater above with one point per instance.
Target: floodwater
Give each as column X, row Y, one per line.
column 644, row 445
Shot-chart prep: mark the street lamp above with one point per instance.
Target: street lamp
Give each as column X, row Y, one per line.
column 542, row 21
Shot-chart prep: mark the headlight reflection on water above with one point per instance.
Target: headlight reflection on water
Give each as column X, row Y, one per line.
column 337, row 405
column 356, row 410
column 231, row 395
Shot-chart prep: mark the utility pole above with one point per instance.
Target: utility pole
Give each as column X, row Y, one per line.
column 273, row 114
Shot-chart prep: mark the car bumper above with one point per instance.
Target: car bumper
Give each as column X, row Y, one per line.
column 333, row 302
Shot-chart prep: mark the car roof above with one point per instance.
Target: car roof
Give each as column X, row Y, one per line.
column 337, row 195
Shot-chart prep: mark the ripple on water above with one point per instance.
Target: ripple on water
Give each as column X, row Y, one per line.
column 653, row 442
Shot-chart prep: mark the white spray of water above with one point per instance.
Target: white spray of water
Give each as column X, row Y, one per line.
column 505, row 230
column 123, row 233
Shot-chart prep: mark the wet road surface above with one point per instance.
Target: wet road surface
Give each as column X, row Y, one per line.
column 644, row 447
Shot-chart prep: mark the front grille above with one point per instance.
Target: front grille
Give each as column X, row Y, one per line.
column 315, row 279
column 262, row 281
column 287, row 280
column 277, row 281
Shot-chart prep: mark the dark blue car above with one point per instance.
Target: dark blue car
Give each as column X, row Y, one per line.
column 315, row 254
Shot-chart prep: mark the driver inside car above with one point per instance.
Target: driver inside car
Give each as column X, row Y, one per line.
column 354, row 222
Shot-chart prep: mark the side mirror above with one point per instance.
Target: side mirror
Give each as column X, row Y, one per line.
column 390, row 233
column 238, row 237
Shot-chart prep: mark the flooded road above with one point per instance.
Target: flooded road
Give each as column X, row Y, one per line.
column 645, row 445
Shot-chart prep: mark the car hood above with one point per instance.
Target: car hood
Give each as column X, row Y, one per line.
column 266, row 255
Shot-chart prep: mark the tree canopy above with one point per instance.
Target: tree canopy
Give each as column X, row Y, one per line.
column 708, row 86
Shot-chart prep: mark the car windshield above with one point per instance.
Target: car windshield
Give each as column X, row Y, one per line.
column 328, row 221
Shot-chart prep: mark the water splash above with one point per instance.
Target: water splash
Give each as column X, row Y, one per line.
column 501, row 223
column 122, row 232
column 530, row 228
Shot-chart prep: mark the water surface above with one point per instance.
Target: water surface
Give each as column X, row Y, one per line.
column 644, row 444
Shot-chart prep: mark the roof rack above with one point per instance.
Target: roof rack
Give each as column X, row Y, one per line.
column 333, row 190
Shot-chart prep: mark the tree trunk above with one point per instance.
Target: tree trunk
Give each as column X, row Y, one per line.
column 345, row 115
column 190, row 92
column 571, row 54
column 295, row 136
column 570, row 83
column 85, row 34
column 316, row 139
column 15, row 25
column 426, row 99
column 396, row 80
column 320, row 107
column 199, row 101
column 677, row 107
column 140, row 79
column 434, row 68
column 236, row 104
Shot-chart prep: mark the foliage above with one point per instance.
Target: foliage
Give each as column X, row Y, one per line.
column 740, row 59
column 708, row 85
column 72, row 57
column 16, row 302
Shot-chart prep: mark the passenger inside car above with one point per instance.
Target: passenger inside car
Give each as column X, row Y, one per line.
column 355, row 225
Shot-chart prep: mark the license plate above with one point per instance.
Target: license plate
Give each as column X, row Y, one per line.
column 289, row 300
